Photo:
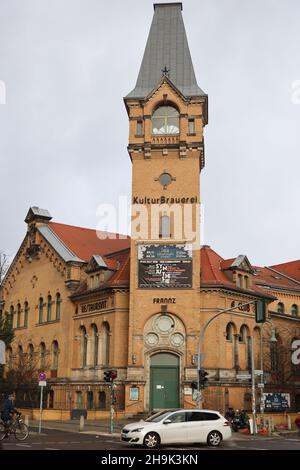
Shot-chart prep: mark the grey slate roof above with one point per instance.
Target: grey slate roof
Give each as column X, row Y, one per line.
column 35, row 211
column 61, row 249
column 167, row 46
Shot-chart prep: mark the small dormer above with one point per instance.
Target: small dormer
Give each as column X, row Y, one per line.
column 239, row 271
column 99, row 270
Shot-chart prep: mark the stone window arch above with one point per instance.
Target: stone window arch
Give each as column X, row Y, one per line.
column 165, row 120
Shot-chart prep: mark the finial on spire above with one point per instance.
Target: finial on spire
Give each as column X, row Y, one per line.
column 165, row 72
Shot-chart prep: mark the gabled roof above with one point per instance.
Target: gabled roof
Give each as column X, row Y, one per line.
column 98, row 262
column 240, row 263
column 86, row 242
column 167, row 52
column 58, row 245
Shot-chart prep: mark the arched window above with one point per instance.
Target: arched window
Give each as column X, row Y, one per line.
column 239, row 280
column 42, row 355
column 243, row 334
column 57, row 306
column 83, row 346
column 11, row 314
column 274, row 356
column 9, row 357
column 165, row 120
column 94, row 345
column 102, row 400
column 49, row 308
column 55, row 355
column 229, row 332
column 106, row 343
column 280, row 307
column 26, row 311
column 30, row 355
column 246, row 282
column 165, row 229
column 79, row 401
column 20, row 355
column 295, row 310
column 41, row 310
column 19, row 316
column 90, row 400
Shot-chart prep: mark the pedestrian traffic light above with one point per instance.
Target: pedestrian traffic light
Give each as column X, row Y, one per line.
column 113, row 375
column 107, row 375
column 203, row 378
column 260, row 311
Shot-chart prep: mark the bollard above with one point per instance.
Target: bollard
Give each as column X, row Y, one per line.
column 81, row 423
column 26, row 420
column 289, row 422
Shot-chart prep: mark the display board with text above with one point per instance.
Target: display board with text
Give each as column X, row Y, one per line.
column 165, row 266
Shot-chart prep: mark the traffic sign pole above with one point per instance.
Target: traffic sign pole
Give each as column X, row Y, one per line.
column 41, row 410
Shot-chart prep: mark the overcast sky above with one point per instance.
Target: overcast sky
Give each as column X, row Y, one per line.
column 67, row 64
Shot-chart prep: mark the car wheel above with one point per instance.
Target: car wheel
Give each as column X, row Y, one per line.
column 151, row 440
column 214, row 438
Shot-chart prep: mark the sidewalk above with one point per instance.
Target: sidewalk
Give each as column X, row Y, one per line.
column 97, row 427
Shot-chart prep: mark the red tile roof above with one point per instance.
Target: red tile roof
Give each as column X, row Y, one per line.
column 268, row 277
column 85, row 242
column 291, row 269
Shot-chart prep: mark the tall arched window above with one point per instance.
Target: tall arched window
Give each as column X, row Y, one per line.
column 49, row 308
column 19, row 316
column 41, row 310
column 165, row 229
column 239, row 280
column 20, row 355
column 295, row 310
column 30, row 355
column 94, row 345
column 11, row 314
column 106, row 343
column 57, row 305
column 280, row 307
column 243, row 334
column 79, row 400
column 9, row 357
column 55, row 355
column 246, row 282
column 83, row 346
column 229, row 332
column 42, row 355
column 165, row 120
column 26, row 311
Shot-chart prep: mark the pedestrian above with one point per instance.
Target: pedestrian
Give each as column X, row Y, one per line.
column 297, row 422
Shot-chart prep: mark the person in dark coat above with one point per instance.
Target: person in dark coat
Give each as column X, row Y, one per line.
column 8, row 411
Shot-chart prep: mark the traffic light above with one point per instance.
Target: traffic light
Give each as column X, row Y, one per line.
column 110, row 375
column 107, row 375
column 194, row 385
column 260, row 311
column 203, row 378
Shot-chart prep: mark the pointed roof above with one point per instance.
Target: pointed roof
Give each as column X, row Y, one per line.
column 167, row 54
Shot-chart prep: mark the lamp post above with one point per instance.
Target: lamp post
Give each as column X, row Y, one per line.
column 271, row 340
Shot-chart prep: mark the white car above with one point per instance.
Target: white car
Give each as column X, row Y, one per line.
column 178, row 427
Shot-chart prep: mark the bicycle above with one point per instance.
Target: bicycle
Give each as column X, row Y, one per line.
column 16, row 427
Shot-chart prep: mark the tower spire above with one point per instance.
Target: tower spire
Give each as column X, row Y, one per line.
column 167, row 54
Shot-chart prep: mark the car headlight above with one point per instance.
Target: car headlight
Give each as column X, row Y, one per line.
column 137, row 430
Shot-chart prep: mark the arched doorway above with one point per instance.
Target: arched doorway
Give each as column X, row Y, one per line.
column 164, row 381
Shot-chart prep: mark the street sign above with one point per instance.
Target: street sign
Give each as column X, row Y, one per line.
column 243, row 376
column 42, row 383
column 258, row 372
column 260, row 385
column 42, row 376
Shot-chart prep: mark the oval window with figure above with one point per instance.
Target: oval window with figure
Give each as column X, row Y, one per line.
column 165, row 120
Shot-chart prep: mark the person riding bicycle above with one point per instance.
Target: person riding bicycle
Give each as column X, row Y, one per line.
column 8, row 410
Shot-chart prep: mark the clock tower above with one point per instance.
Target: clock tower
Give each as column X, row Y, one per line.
column 167, row 113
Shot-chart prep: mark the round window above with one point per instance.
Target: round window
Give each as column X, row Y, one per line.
column 165, row 179
column 152, row 339
column 164, row 324
column 177, row 339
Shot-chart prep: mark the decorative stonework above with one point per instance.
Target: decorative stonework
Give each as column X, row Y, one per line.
column 164, row 330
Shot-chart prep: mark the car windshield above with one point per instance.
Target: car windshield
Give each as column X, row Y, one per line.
column 158, row 416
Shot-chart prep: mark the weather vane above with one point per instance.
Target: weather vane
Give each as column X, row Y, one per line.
column 165, row 71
